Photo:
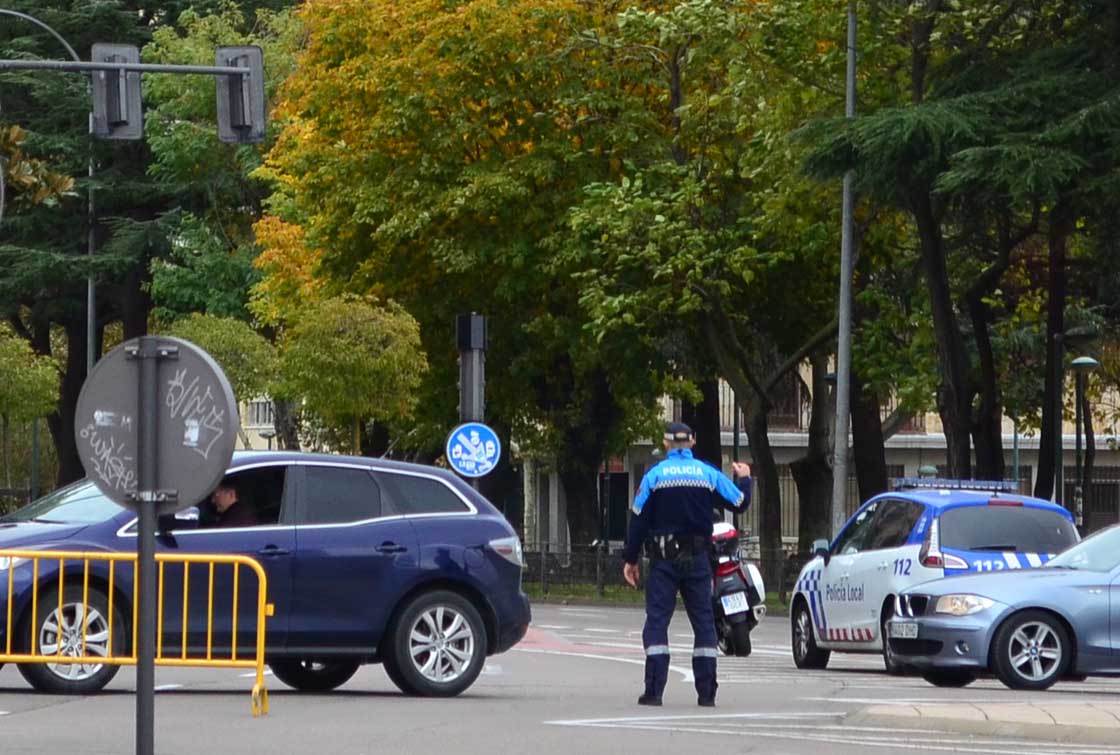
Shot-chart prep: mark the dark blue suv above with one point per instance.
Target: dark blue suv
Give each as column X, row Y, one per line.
column 368, row 561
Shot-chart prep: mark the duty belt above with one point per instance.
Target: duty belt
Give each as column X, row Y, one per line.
column 672, row 547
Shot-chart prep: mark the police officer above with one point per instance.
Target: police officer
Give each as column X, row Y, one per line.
column 672, row 517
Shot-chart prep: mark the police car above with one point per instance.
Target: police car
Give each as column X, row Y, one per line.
column 924, row 529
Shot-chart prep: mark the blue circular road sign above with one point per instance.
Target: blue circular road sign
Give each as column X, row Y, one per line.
column 473, row 449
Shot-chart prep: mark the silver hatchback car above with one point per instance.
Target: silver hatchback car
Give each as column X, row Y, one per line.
column 1030, row 628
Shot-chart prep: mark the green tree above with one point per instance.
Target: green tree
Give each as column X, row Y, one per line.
column 28, row 388
column 998, row 139
column 348, row 362
column 429, row 152
column 145, row 208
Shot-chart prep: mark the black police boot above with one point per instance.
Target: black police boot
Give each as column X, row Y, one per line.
column 648, row 699
column 706, row 702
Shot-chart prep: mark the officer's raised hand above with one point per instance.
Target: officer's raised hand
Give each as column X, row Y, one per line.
column 741, row 469
column 630, row 574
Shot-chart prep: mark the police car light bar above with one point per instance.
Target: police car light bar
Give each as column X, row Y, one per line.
column 934, row 483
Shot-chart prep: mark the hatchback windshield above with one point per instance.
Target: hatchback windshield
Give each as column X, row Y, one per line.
column 1101, row 552
column 79, row 503
column 1022, row 529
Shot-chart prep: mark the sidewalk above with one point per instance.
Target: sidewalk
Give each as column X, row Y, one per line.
column 1058, row 721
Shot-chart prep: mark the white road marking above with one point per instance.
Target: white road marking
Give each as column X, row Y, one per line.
column 552, row 626
column 600, row 631
column 947, row 701
column 493, row 669
column 686, row 674
column 698, row 717
column 780, row 727
column 253, row 674
column 165, row 687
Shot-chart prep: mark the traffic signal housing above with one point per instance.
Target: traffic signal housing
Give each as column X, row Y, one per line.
column 117, row 111
column 241, row 97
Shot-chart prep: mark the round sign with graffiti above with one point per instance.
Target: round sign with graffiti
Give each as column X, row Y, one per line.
column 473, row 449
column 195, row 426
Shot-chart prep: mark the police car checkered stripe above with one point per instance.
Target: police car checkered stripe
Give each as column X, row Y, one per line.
column 849, row 634
column 810, row 584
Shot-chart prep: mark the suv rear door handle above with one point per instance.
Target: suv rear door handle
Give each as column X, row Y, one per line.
column 273, row 550
column 390, row 547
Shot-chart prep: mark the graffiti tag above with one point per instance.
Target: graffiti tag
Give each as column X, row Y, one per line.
column 115, row 468
column 204, row 423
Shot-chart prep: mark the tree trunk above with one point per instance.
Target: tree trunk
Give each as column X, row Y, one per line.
column 6, row 440
column 704, row 420
column 868, row 445
column 61, row 422
column 579, row 474
column 954, row 395
column 1057, row 237
column 503, row 486
column 987, row 425
column 813, row 472
column 136, row 304
column 285, row 419
column 580, row 456
column 769, row 501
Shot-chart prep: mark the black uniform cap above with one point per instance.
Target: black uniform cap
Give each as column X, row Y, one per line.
column 678, row 431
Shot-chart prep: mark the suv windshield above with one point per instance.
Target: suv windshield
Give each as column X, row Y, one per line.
column 1101, row 552
column 1023, row 529
column 79, row 503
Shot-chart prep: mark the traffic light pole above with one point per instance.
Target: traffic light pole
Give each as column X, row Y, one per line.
column 79, row 65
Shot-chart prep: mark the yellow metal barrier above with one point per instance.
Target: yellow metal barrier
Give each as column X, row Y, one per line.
column 181, row 658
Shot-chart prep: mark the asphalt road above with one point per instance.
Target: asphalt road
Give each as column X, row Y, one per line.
column 570, row 688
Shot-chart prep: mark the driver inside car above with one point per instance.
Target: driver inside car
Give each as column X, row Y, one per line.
column 227, row 508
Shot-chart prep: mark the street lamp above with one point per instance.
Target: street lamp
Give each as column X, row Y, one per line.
column 1081, row 367
column 268, row 434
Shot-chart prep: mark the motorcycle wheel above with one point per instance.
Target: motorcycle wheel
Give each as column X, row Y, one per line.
column 741, row 639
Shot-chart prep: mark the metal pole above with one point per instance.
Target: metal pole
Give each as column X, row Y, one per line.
column 91, row 242
column 100, row 65
column 1015, row 451
column 1059, row 472
column 737, row 517
column 91, row 311
column 35, row 459
column 844, row 336
column 1079, row 392
column 147, row 477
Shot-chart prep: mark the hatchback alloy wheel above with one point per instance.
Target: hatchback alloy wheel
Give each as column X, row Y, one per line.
column 1031, row 650
column 1035, row 651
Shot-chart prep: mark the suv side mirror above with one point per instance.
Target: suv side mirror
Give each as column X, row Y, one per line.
column 184, row 519
column 821, row 548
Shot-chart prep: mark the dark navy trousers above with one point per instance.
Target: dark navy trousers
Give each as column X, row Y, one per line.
column 694, row 582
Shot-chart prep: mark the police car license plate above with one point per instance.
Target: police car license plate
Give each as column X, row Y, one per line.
column 904, row 630
column 736, row 602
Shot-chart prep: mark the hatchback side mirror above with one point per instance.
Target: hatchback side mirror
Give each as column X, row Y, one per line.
column 821, row 548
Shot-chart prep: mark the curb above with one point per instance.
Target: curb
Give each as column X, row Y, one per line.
column 882, row 715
